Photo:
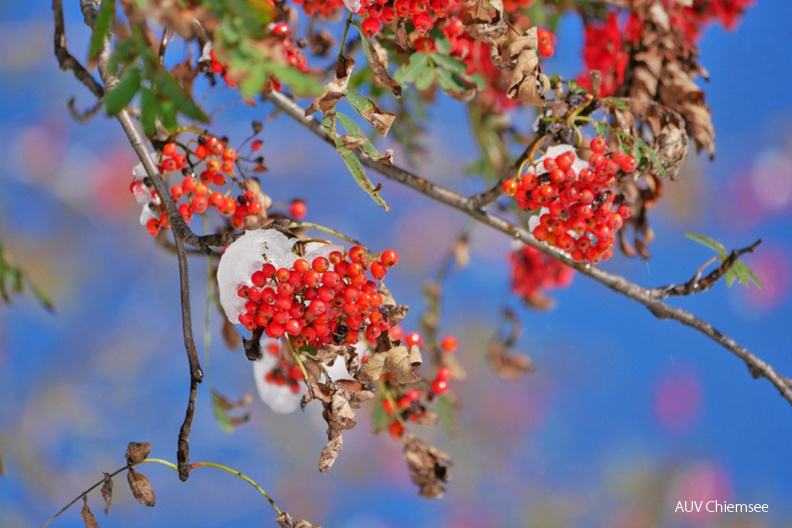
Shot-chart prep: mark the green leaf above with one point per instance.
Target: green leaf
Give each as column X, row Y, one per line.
column 167, row 111
column 362, row 104
column 148, row 112
column 752, row 276
column 223, row 420
column 101, row 28
column 745, row 274
column 300, row 82
column 656, row 161
column 379, row 418
column 410, row 72
column 425, row 79
column 707, row 241
column 170, row 88
column 254, row 82
column 355, row 130
column 121, row 94
column 601, row 129
column 353, row 163
column 450, row 83
column 42, row 297
column 445, row 411
column 449, row 63
column 730, row 276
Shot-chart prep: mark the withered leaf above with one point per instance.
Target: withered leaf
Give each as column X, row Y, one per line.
column 107, row 491
column 350, row 142
column 401, row 362
column 526, row 82
column 372, row 368
column 377, row 58
column 141, row 488
column 331, row 451
column 428, row 466
column 333, row 91
column 137, row 452
column 284, row 520
column 231, row 337
column 88, row 517
column 358, row 392
column 508, row 367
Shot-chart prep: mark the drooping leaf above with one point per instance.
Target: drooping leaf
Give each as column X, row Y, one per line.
column 101, row 28
column 137, row 452
column 378, row 69
column 88, row 517
column 171, row 89
column 148, row 112
column 415, row 68
column 107, row 491
column 372, row 113
column 349, row 124
column 121, row 94
column 707, row 241
column 141, row 488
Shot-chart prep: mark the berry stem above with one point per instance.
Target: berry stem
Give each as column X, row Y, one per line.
column 329, row 231
column 344, row 37
column 243, row 477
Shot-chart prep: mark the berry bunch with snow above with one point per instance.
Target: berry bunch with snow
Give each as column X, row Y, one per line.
column 533, row 273
column 315, row 294
column 578, row 202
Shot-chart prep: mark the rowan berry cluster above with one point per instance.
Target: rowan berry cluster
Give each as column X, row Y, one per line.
column 410, row 405
column 218, row 162
column 533, row 273
column 283, row 374
column 423, row 15
column 576, row 201
column 327, row 300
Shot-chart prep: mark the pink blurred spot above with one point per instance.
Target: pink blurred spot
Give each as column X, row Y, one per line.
column 111, row 180
column 704, row 481
column 678, row 399
column 772, row 266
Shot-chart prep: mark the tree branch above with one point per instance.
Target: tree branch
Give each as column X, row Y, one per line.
column 697, row 284
column 644, row 296
column 65, row 59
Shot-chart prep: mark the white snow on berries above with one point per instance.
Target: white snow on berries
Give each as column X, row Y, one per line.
column 248, row 253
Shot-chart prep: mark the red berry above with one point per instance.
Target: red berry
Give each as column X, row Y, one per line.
column 598, row 144
column 443, row 374
column 395, row 429
column 389, row 258
column 297, row 210
column 439, row 387
column 413, row 338
column 169, row 149
column 371, row 26
column 449, row 344
column 281, row 30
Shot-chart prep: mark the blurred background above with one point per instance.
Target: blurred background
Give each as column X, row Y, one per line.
column 625, row 416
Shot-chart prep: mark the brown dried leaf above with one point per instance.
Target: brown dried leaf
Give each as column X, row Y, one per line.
column 358, row 392
column 321, row 43
column 107, row 491
column 88, row 517
column 526, row 82
column 401, row 362
column 352, row 142
column 372, row 368
column 333, row 91
column 331, row 451
column 141, row 488
column 378, row 62
column 137, row 452
column 228, row 405
column 508, row 367
column 428, row 466
column 284, row 520
column 231, row 337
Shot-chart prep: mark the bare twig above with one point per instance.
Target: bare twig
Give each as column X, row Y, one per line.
column 698, row 284
column 196, row 374
column 87, row 115
column 644, row 296
column 65, row 59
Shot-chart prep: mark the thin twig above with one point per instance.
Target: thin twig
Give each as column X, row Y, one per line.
column 65, row 59
column 697, row 284
column 87, row 115
column 196, row 374
column 619, row 284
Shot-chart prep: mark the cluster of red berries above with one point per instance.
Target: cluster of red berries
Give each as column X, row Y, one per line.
column 329, row 300
column 282, row 374
column 409, row 405
column 533, row 272
column 578, row 210
column 197, row 192
column 423, row 14
column 546, row 43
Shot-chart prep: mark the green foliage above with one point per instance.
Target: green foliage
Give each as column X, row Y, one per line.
column 739, row 271
column 13, row 280
column 101, row 28
column 451, row 75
